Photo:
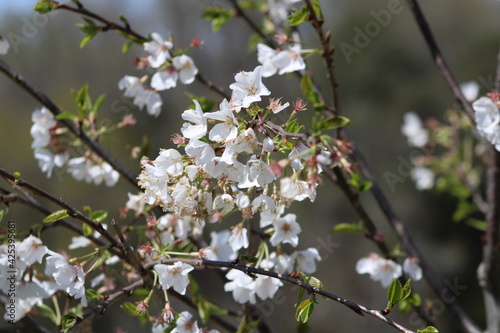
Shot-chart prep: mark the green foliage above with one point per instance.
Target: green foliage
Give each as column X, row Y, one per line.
column 307, row 88
column 56, row 216
column 206, row 104
column 322, row 124
column 217, row 16
column 428, row 329
column 44, row 6
column 359, row 184
column 99, row 215
column 397, row 293
column 247, row 327
column 304, row 310
column 348, row 228
column 90, row 30
column 68, row 322
column 48, row 312
column 408, row 303
column 317, row 9
column 299, row 17
column 477, row 224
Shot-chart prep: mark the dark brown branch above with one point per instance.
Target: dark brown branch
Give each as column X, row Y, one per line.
column 438, row 58
column 55, row 110
column 327, row 54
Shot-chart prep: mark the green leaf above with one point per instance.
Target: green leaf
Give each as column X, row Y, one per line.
column 2, row 213
column 44, row 6
column 48, row 312
column 87, row 230
column 66, row 115
column 99, row 215
column 476, row 224
column 218, row 16
column 206, row 104
column 127, row 46
column 394, row 293
column 348, row 228
column 98, row 103
column 301, row 294
column 304, row 310
column 428, row 329
column 130, row 309
column 68, row 322
column 56, row 216
column 307, row 88
column 298, row 17
column 248, row 258
column 317, row 9
column 253, row 41
column 336, row 122
column 406, row 292
column 91, row 29
column 92, row 294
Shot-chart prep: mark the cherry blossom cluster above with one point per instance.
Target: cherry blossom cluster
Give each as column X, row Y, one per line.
column 386, row 270
column 50, row 150
column 227, row 166
column 29, row 290
column 169, row 69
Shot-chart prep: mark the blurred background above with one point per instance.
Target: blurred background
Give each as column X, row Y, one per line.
column 389, row 76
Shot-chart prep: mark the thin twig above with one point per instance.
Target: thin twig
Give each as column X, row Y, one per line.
column 438, row 58
column 108, row 24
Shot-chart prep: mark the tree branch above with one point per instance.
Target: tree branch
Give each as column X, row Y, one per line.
column 438, row 58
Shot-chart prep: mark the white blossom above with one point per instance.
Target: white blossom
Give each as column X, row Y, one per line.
column 158, row 50
column 241, row 285
column 412, row 268
column 43, row 121
column 470, row 90
column 198, row 127
column 165, row 79
column 186, row 68
column 412, row 128
column 286, row 230
column 248, row 88
column 227, row 130
column 175, row 275
column 220, row 248
column 238, row 238
column 185, row 324
column 305, row 260
column 31, row 250
column 4, row 45
column 423, row 178
column 266, row 287
column 379, row 269
column 277, row 61
column 487, row 118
